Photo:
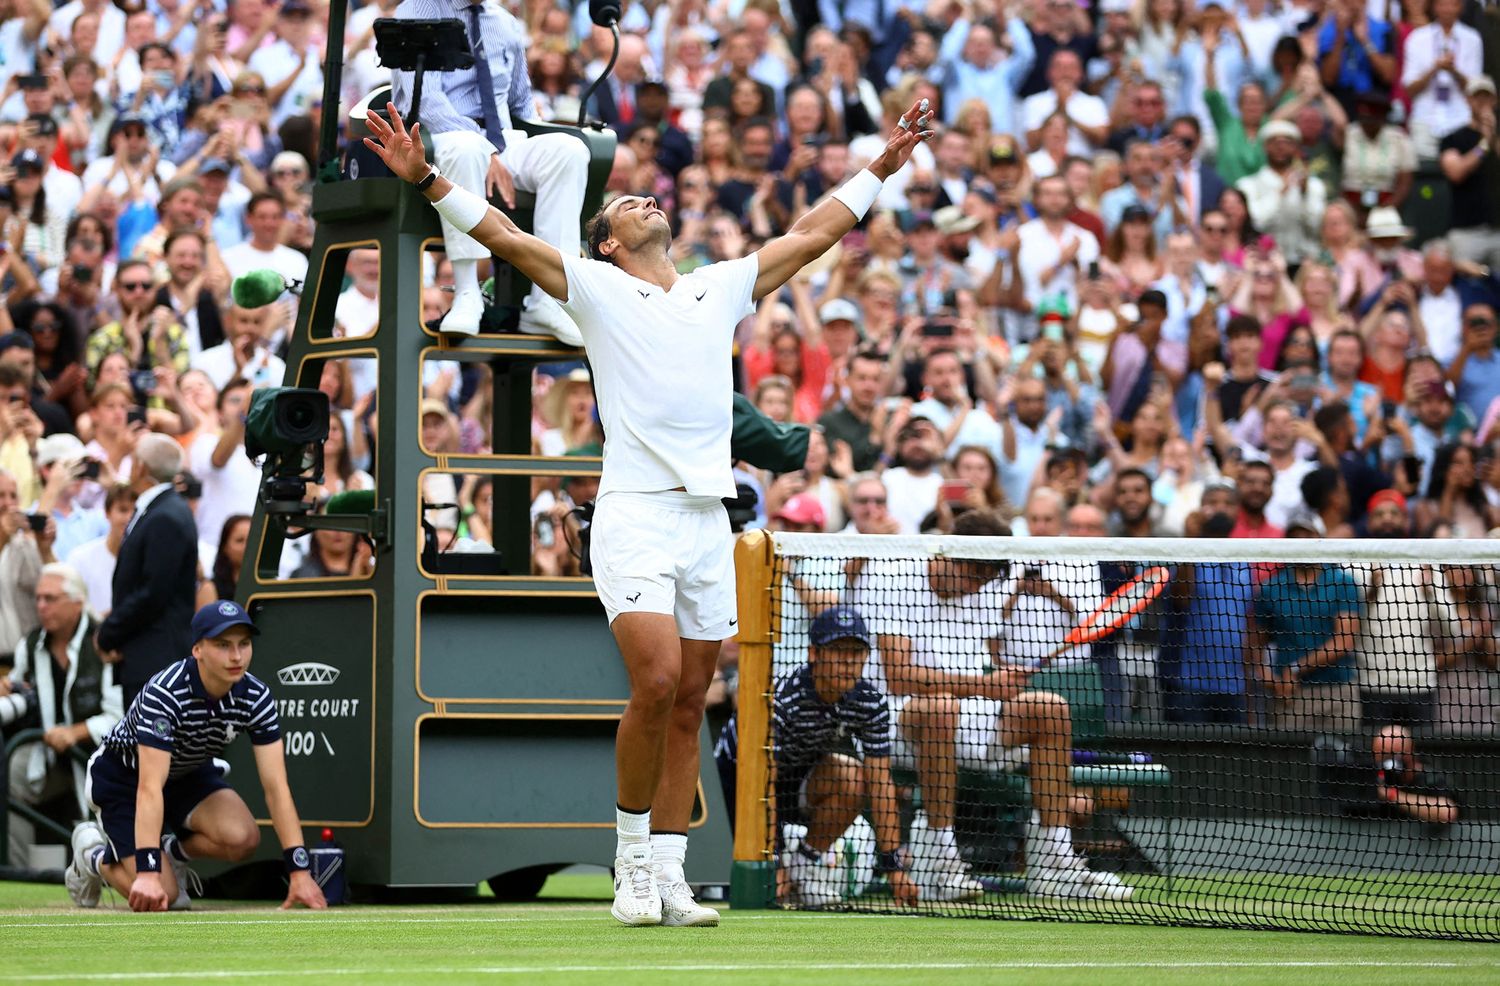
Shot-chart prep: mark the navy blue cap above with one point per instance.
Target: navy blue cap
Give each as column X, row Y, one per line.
column 838, row 623
column 215, row 618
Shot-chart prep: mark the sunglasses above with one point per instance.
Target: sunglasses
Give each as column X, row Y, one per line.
column 920, row 189
column 878, row 501
column 135, row 285
column 1479, row 323
column 43, row 327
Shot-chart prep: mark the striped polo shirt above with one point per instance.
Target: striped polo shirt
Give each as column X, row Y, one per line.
column 175, row 714
column 806, row 727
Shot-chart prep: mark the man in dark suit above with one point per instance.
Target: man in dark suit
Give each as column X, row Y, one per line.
column 1198, row 183
column 156, row 572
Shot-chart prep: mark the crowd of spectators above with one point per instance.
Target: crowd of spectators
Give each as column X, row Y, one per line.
column 1156, row 249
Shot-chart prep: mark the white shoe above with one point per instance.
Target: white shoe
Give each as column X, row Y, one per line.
column 544, row 316
column 1053, row 871
column 680, row 910
column 637, row 899
column 83, row 886
column 814, row 883
column 463, row 318
column 185, row 878
column 939, row 872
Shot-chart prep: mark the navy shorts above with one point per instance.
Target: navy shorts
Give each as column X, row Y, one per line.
column 111, row 793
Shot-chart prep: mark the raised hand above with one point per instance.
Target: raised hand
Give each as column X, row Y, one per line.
column 910, row 131
column 401, row 150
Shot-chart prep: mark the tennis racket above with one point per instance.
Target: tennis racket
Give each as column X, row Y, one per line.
column 1116, row 610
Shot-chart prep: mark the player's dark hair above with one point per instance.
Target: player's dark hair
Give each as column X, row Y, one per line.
column 983, row 524
column 598, row 231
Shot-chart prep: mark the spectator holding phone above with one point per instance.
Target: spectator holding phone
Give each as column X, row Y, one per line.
column 65, row 470
column 24, row 547
column 1404, row 787
column 148, row 334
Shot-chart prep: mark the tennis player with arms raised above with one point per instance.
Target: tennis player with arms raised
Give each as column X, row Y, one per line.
column 660, row 344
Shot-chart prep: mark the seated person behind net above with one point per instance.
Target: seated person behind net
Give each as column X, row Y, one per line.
column 833, row 757
column 1404, row 787
column 935, row 619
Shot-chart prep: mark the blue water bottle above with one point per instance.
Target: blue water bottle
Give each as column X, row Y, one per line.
column 328, row 869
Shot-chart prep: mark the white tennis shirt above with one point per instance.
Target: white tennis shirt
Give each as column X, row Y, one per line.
column 661, row 364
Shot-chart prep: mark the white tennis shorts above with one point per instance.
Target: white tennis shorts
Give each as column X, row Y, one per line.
column 670, row 553
column 976, row 741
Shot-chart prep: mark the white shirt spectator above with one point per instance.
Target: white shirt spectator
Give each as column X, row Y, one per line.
column 1038, row 623
column 1082, row 108
column 228, row 489
column 1016, row 474
column 96, row 563
column 16, row 56
column 1442, row 315
column 909, row 498
column 264, row 369
column 64, row 191
column 978, row 427
column 1286, row 491
column 242, row 258
column 1294, row 216
column 1040, row 250
column 1441, row 108
column 274, row 63
column 111, row 28
column 99, row 171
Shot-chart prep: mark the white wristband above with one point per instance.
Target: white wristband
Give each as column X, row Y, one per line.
column 859, row 192
column 462, row 208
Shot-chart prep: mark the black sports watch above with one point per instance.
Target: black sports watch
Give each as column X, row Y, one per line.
column 432, row 176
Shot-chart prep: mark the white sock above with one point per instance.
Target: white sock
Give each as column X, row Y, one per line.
column 93, row 858
column 465, row 278
column 1060, row 838
column 669, row 850
column 945, row 840
column 631, row 829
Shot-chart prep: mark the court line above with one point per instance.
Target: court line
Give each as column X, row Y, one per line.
column 616, row 969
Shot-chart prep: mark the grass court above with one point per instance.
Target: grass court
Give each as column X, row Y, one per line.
column 567, row 936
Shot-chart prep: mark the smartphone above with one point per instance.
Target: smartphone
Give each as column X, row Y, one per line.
column 1303, row 381
column 136, row 415
column 83, row 273
column 1031, row 573
column 144, row 381
column 814, row 140
column 89, row 469
column 37, row 522
column 1387, row 410
column 1093, row 270
column 955, row 490
column 938, row 330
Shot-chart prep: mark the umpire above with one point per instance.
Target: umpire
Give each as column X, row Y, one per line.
column 156, row 572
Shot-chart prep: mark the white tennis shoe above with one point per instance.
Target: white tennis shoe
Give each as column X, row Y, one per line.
column 544, row 316
column 84, row 886
column 938, row 870
column 1054, row 870
column 637, row 898
column 678, row 907
column 814, row 883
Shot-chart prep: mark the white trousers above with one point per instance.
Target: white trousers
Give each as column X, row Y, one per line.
column 553, row 167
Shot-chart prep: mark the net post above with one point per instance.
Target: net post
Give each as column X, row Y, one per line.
column 753, row 878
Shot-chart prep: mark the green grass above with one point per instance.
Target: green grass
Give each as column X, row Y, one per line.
column 568, row 937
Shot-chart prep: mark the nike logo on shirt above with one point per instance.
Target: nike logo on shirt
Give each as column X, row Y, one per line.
column 700, row 297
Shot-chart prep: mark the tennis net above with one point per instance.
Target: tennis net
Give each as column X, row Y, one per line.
column 1295, row 734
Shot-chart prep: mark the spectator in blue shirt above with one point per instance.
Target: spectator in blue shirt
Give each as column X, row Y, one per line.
column 1355, row 53
column 980, row 68
column 1475, row 371
column 1206, row 682
column 1310, row 612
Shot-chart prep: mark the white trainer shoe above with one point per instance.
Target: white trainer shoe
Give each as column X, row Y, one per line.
column 637, row 899
column 678, row 907
column 814, row 883
column 186, row 878
column 1053, row 871
column 463, row 318
column 939, row 872
column 544, row 316
column 84, row 886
